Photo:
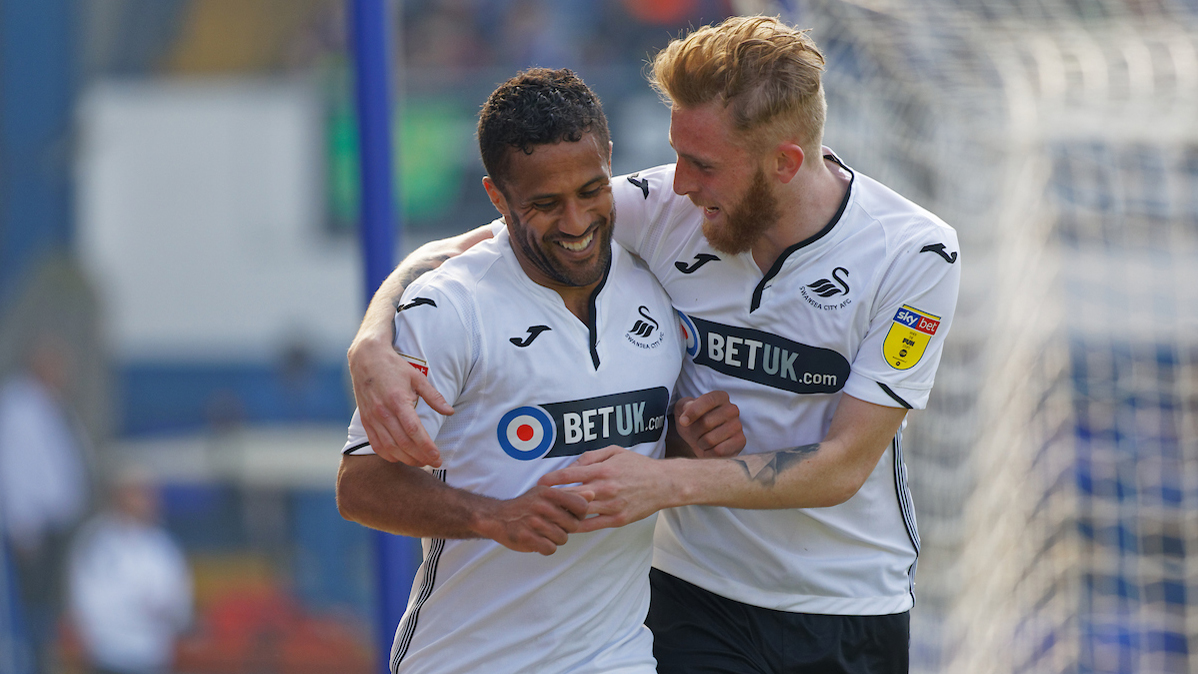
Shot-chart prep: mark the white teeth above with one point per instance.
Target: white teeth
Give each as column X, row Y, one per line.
column 711, row 209
column 577, row 246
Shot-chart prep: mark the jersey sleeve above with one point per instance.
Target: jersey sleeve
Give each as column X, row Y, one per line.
column 431, row 335
column 643, row 201
column 896, row 364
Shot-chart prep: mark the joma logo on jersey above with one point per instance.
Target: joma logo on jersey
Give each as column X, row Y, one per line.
column 908, row 338
column 570, row 428
column 765, row 358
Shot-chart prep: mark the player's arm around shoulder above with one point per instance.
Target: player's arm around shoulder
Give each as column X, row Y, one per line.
column 386, row 386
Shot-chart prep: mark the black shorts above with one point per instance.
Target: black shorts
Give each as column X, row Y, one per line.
column 698, row 632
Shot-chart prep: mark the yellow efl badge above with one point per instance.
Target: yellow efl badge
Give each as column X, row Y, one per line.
column 908, row 337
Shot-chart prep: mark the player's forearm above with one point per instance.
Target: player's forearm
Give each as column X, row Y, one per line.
column 804, row 477
column 814, row 475
column 404, row 500
column 377, row 328
column 817, row 475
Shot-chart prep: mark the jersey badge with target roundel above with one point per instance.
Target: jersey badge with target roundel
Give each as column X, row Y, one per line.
column 910, row 331
column 690, row 334
column 526, row 433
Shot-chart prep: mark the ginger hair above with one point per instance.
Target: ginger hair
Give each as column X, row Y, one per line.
column 765, row 73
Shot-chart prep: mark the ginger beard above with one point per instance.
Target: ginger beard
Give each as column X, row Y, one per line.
column 747, row 221
column 541, row 253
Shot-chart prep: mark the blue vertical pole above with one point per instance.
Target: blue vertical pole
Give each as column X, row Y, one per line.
column 38, row 83
column 37, row 104
column 369, row 27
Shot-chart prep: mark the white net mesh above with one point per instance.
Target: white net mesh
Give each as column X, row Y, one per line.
column 1054, row 470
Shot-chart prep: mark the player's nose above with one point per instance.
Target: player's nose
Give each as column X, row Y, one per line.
column 576, row 219
column 684, row 182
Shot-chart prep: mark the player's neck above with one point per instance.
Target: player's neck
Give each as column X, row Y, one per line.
column 806, row 205
column 578, row 301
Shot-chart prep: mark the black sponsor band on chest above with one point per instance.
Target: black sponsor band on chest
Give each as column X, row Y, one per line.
column 570, row 428
column 768, row 359
column 623, row 419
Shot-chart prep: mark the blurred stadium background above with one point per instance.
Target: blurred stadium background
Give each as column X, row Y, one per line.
column 178, row 196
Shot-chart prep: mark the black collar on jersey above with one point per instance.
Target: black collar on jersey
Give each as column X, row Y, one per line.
column 777, row 266
column 592, row 314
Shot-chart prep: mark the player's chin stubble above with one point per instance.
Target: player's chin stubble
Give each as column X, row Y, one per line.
column 540, row 254
column 747, row 221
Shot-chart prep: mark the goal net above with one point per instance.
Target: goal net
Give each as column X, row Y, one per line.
column 1054, row 470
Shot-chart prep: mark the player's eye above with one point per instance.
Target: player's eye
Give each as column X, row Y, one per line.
column 544, row 205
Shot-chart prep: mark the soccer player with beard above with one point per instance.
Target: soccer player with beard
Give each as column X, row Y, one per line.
column 820, row 300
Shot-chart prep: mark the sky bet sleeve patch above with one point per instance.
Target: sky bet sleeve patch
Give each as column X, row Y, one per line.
column 908, row 338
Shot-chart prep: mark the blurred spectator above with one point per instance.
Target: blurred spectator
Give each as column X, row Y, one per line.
column 44, row 484
column 537, row 33
column 130, row 587
column 471, row 34
column 445, row 34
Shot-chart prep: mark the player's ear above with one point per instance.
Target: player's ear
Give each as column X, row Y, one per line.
column 495, row 195
column 610, row 145
column 788, row 159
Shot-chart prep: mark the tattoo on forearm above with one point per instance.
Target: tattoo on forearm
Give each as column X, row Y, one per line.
column 765, row 468
column 416, row 272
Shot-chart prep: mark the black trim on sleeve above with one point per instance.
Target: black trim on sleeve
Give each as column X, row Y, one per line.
column 777, row 266
column 355, row 448
column 894, row 395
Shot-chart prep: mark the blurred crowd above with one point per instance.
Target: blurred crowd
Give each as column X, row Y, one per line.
column 84, row 551
column 459, row 34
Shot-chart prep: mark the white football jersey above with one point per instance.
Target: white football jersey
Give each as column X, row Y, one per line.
column 860, row 308
column 532, row 388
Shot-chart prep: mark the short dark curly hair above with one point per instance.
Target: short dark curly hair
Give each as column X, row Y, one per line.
column 538, row 106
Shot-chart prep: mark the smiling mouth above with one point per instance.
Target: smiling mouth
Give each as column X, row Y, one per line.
column 579, row 245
